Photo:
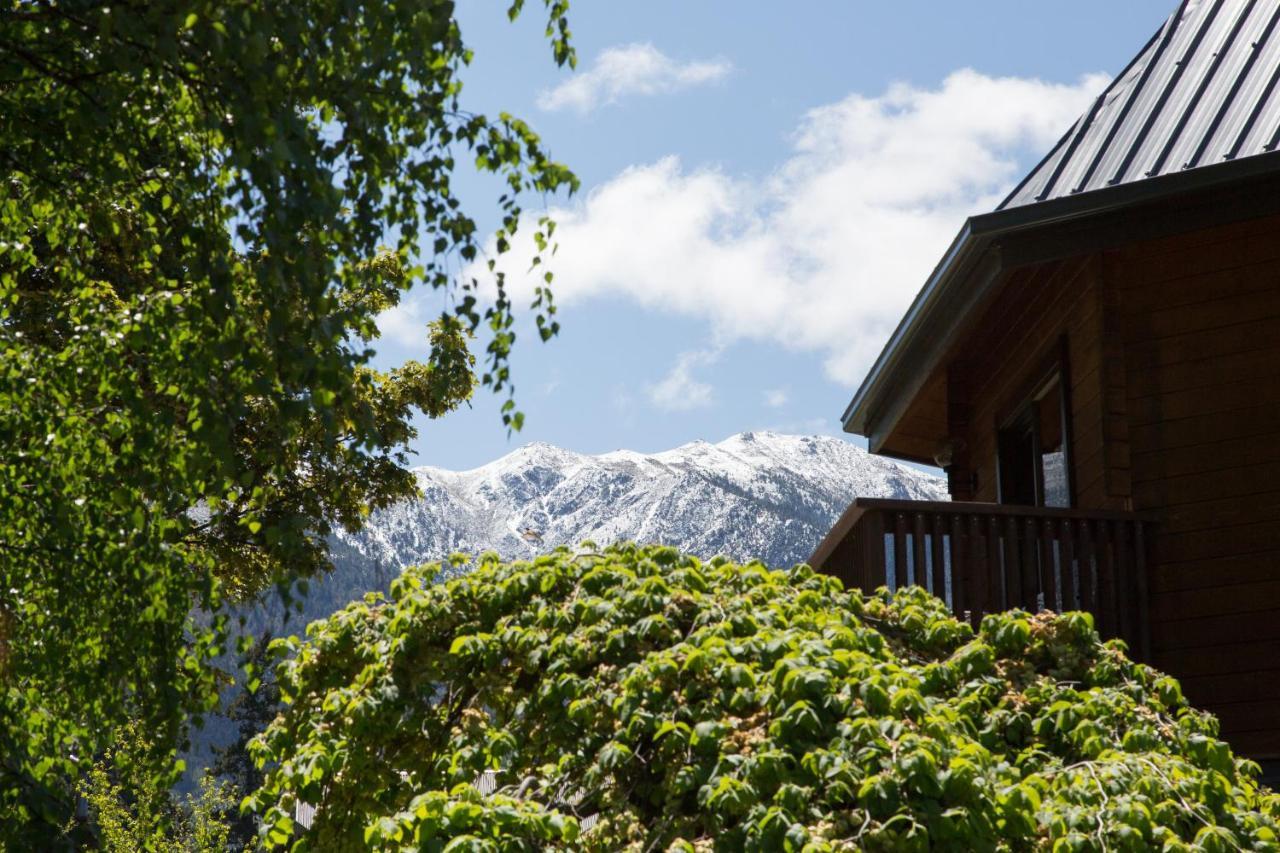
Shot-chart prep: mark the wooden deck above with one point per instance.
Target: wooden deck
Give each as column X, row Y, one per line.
column 984, row 558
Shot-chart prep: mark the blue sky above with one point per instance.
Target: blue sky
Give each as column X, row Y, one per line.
column 765, row 187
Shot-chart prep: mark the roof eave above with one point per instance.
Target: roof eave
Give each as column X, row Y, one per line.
column 858, row 414
column 976, row 240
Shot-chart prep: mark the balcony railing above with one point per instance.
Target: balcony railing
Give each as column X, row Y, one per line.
column 984, row 558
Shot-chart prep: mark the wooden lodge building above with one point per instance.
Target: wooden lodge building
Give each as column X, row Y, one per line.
column 1096, row 365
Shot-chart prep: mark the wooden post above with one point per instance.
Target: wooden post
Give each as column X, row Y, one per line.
column 873, row 549
column 919, row 565
column 1068, row 552
column 1126, row 606
column 1144, row 601
column 997, row 587
column 900, row 577
column 937, row 560
column 1030, row 565
column 961, row 594
column 984, row 594
column 1106, row 582
column 1049, row 564
column 1088, row 570
column 1012, row 575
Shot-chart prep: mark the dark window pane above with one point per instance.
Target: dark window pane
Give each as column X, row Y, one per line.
column 1017, row 466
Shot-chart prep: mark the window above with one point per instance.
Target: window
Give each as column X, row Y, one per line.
column 1052, row 449
column 1034, row 456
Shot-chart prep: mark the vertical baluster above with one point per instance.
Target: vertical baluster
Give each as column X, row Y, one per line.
column 1012, row 569
column 1125, row 603
column 901, row 576
column 1049, row 564
column 1144, row 601
column 958, row 567
column 1030, row 565
column 999, row 589
column 937, row 562
column 1106, row 581
column 919, row 568
column 874, row 570
column 1067, row 575
column 980, row 595
column 850, row 568
column 1088, row 559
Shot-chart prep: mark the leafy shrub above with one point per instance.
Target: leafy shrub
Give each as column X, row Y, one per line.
column 706, row 705
column 128, row 811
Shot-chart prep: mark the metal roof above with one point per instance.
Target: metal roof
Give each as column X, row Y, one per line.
column 1202, row 91
column 1196, row 111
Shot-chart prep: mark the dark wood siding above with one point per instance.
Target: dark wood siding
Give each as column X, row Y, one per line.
column 1038, row 309
column 1173, row 351
column 1199, row 316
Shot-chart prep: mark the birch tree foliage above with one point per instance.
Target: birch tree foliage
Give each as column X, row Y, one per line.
column 203, row 207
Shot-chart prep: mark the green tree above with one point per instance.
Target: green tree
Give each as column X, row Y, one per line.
column 195, row 213
column 250, row 711
column 693, row 705
column 131, row 814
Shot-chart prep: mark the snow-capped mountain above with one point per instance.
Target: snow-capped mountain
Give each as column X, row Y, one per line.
column 755, row 495
column 760, row 495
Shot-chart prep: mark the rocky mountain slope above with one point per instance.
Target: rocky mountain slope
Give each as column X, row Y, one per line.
column 760, row 495
column 755, row 495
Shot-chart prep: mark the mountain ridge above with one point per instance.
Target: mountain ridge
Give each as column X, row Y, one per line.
column 755, row 494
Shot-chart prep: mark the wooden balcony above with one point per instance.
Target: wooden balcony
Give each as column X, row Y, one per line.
column 983, row 558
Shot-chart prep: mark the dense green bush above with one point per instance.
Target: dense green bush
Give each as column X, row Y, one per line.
column 707, row 705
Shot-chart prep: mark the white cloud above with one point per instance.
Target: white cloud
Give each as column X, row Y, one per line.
column 679, row 390
column 629, row 69
column 824, row 254
column 776, row 398
column 406, row 324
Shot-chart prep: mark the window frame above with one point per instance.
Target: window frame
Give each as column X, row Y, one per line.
column 1023, row 409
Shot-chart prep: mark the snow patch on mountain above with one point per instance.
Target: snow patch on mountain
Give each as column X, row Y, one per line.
column 757, row 495
column 754, row 495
